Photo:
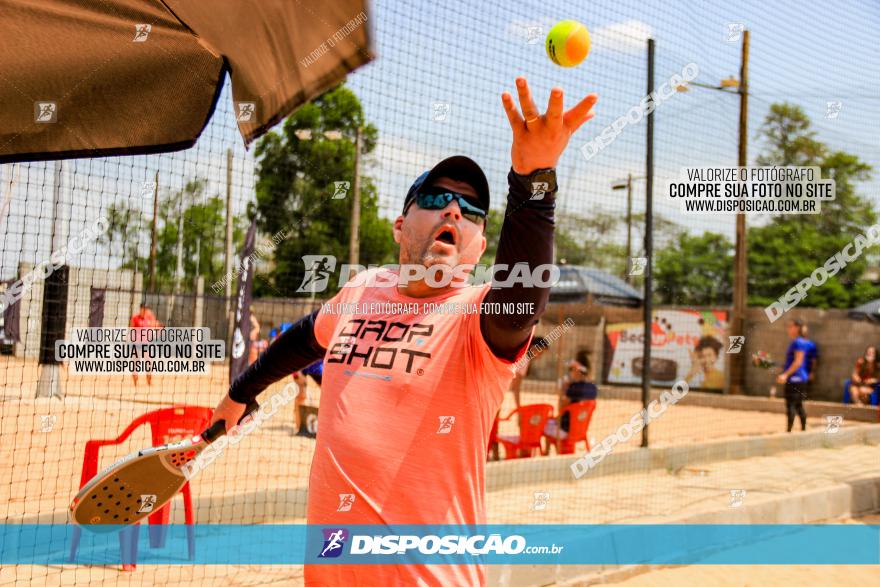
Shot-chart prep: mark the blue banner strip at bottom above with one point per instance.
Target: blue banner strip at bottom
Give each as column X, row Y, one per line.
column 215, row 544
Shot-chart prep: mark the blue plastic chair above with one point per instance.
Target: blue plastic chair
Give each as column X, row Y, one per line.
column 874, row 398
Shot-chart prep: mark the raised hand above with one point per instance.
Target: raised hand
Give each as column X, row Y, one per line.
column 539, row 140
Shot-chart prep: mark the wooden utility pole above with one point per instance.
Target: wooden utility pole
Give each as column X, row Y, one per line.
column 153, row 230
column 354, row 244
column 740, row 276
column 629, row 201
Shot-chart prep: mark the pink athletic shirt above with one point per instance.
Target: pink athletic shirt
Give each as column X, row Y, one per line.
column 406, row 408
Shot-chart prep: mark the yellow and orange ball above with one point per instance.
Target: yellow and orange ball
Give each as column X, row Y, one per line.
column 568, row 43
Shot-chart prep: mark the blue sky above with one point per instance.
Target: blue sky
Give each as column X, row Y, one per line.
column 455, row 52
column 465, row 53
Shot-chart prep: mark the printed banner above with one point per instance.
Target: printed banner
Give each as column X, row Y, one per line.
column 241, row 340
column 685, row 345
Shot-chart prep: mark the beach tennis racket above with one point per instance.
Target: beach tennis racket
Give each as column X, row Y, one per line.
column 141, row 483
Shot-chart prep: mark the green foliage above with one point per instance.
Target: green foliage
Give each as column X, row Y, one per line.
column 493, row 232
column 590, row 240
column 204, row 233
column 595, row 240
column 125, row 228
column 790, row 247
column 695, row 271
column 295, row 185
column 204, row 236
column 789, row 139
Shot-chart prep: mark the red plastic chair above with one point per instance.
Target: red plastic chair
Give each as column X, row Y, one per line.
column 166, row 425
column 493, row 436
column 532, row 418
column 579, row 416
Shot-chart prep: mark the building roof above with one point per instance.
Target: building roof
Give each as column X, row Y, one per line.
column 577, row 282
column 867, row 311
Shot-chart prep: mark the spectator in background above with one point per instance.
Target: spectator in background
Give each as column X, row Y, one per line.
column 316, row 372
column 812, row 355
column 704, row 359
column 574, row 387
column 795, row 375
column 142, row 320
column 257, row 345
column 864, row 377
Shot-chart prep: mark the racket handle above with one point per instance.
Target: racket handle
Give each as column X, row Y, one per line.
column 218, row 428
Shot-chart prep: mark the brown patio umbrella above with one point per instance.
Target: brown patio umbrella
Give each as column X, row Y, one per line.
column 92, row 78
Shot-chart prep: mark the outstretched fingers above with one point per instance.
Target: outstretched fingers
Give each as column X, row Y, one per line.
column 580, row 113
column 516, row 121
column 554, row 109
column 529, row 110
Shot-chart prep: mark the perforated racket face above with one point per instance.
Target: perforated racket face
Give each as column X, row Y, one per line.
column 133, row 488
column 179, row 458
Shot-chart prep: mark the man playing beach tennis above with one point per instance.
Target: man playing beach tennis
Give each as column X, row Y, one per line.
column 408, row 399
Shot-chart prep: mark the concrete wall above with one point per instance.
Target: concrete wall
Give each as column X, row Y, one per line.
column 840, row 340
column 119, row 303
column 550, row 365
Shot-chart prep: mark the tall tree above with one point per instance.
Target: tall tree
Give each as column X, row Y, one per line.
column 695, row 271
column 791, row 246
column 595, row 240
column 125, row 230
column 202, row 218
column 298, row 170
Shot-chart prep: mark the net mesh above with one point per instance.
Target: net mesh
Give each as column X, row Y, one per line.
column 434, row 91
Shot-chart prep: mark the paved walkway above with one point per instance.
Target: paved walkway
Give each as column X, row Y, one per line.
column 661, row 495
column 739, row 575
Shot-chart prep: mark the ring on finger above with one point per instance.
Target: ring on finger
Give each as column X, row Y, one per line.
column 533, row 119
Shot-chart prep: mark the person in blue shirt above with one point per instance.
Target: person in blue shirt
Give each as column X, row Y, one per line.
column 795, row 375
column 575, row 387
column 812, row 354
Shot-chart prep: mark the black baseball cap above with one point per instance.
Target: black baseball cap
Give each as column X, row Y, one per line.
column 458, row 168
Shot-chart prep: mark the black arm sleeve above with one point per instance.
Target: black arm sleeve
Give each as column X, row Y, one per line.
column 295, row 349
column 526, row 237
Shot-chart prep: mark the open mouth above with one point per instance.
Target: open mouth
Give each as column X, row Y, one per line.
column 446, row 235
